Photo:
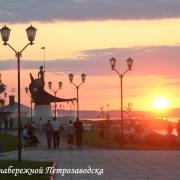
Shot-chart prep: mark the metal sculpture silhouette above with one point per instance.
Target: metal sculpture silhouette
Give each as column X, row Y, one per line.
column 40, row 96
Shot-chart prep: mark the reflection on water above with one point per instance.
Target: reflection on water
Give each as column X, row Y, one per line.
column 164, row 131
column 171, row 119
column 159, row 131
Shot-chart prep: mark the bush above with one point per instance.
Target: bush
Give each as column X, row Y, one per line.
column 156, row 139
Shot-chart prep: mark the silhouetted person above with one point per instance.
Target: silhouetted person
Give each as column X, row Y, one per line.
column 41, row 74
column 169, row 129
column 6, row 124
column 25, row 136
column 70, row 133
column 78, row 132
column 11, row 123
column 49, row 133
column 102, row 131
column 32, row 136
column 1, row 123
column 41, row 126
column 178, row 128
column 56, row 128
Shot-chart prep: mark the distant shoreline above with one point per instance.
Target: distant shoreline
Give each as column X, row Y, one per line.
column 171, row 119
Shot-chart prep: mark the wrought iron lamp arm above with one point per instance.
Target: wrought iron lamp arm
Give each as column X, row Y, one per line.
column 121, row 75
column 11, row 47
column 16, row 52
column 26, row 46
column 80, row 84
column 125, row 72
column 55, row 91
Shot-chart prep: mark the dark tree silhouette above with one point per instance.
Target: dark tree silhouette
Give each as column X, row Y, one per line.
column 2, row 90
column 2, row 87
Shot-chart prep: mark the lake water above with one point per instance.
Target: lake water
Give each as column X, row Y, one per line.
column 164, row 131
column 160, row 131
column 171, row 119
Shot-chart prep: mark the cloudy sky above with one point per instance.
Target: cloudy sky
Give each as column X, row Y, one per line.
column 82, row 35
column 73, row 10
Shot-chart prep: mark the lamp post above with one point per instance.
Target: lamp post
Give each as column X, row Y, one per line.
column 5, row 33
column 27, row 92
column 121, row 75
column 55, row 91
column 83, row 77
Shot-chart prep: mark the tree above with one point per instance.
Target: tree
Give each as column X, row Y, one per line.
column 2, row 90
column 2, row 87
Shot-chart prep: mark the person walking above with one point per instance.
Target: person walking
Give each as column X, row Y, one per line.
column 11, row 123
column 49, row 132
column 1, row 123
column 25, row 136
column 56, row 129
column 70, row 133
column 178, row 128
column 33, row 137
column 6, row 124
column 78, row 132
column 41, row 126
column 169, row 129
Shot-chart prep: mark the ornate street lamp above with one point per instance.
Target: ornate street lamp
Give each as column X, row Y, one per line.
column 55, row 92
column 113, row 63
column 5, row 33
column 83, row 78
column 129, row 62
column 71, row 77
column 60, row 84
column 5, row 94
column 50, row 84
column 26, row 89
column 31, row 33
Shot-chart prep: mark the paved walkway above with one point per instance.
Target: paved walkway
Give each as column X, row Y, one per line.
column 43, row 142
column 117, row 164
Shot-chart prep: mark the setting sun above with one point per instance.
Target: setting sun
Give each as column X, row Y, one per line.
column 161, row 103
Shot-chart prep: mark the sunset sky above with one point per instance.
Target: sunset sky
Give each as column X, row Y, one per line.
column 81, row 36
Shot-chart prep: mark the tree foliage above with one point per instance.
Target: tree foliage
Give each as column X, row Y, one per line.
column 2, row 87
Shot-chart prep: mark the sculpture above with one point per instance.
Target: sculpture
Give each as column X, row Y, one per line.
column 41, row 98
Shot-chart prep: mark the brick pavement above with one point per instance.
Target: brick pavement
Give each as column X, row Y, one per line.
column 117, row 164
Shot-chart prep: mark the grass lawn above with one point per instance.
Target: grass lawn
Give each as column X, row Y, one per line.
column 25, row 165
column 92, row 139
column 8, row 142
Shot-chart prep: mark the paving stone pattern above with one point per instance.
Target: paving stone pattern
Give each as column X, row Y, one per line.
column 117, row 164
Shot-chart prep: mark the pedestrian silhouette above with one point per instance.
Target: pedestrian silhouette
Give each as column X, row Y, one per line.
column 49, row 133
column 78, row 132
